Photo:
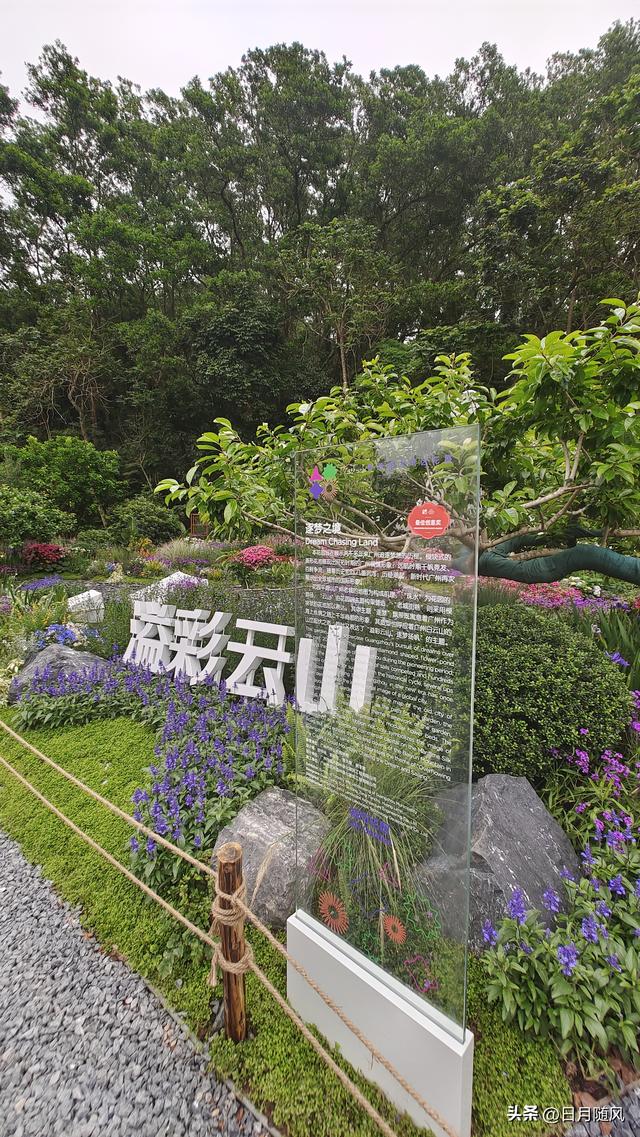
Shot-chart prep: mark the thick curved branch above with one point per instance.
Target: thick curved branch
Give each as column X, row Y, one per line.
column 553, row 567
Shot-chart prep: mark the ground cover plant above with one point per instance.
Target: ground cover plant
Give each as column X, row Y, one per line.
column 187, row 790
column 109, row 757
column 278, row 1070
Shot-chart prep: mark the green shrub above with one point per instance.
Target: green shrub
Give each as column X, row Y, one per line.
column 538, row 681
column 91, row 539
column 144, row 516
column 27, row 515
column 72, row 472
column 76, row 561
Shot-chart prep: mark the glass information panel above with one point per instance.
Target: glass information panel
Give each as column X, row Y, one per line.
column 385, row 626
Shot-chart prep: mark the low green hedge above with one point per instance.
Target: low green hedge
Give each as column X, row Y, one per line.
column 538, row 681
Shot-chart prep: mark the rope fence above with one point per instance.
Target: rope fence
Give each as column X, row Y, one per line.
column 229, row 912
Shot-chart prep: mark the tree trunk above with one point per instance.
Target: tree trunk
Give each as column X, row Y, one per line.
column 343, row 361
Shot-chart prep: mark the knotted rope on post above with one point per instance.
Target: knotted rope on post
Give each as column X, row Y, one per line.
column 229, row 917
column 232, row 953
column 237, row 900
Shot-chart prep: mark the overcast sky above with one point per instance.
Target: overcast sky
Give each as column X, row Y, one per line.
column 163, row 43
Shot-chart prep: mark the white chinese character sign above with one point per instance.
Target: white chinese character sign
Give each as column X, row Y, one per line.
column 197, row 645
column 385, row 620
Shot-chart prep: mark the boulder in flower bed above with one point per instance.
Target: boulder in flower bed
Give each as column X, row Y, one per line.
column 266, row 830
column 515, row 843
column 60, row 659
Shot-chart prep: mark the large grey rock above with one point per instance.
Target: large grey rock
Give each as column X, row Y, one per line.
column 61, row 659
column 266, row 830
column 515, row 843
column 158, row 590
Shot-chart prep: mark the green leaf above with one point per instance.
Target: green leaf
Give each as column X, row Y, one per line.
column 566, row 1022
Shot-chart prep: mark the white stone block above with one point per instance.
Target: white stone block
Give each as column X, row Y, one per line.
column 87, row 607
column 159, row 588
column 430, row 1051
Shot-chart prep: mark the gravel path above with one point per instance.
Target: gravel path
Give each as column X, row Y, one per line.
column 86, row 1050
column 629, row 1126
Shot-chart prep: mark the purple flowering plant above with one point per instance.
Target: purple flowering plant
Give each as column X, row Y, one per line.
column 596, row 799
column 43, row 582
column 574, row 974
column 214, row 753
column 572, row 969
column 105, row 690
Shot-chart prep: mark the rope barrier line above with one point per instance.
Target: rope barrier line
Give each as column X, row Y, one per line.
column 219, row 916
column 376, row 1054
column 139, row 825
column 108, row 856
column 318, row 1047
column 244, row 964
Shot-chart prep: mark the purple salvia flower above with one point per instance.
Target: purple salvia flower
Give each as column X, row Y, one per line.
column 589, row 929
column 516, row 906
column 568, row 956
column 551, row 900
column 489, row 934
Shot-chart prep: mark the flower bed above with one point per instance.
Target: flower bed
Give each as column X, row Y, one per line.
column 579, row 981
column 213, row 752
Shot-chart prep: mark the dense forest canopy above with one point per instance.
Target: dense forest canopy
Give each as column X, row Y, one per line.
column 164, row 261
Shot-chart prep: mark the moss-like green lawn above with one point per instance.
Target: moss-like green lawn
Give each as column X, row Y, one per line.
column 275, row 1067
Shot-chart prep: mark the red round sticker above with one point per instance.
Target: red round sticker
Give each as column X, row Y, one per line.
column 428, row 520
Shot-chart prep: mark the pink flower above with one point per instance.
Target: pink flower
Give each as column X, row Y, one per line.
column 255, row 557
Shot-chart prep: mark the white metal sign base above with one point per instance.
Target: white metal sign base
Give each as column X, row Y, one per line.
column 416, row 1038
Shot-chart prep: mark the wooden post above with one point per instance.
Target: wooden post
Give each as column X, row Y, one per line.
column 232, row 944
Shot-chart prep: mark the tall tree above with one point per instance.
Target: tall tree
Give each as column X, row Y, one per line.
column 260, row 232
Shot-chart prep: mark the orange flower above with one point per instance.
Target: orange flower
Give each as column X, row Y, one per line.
column 333, row 912
column 395, row 929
